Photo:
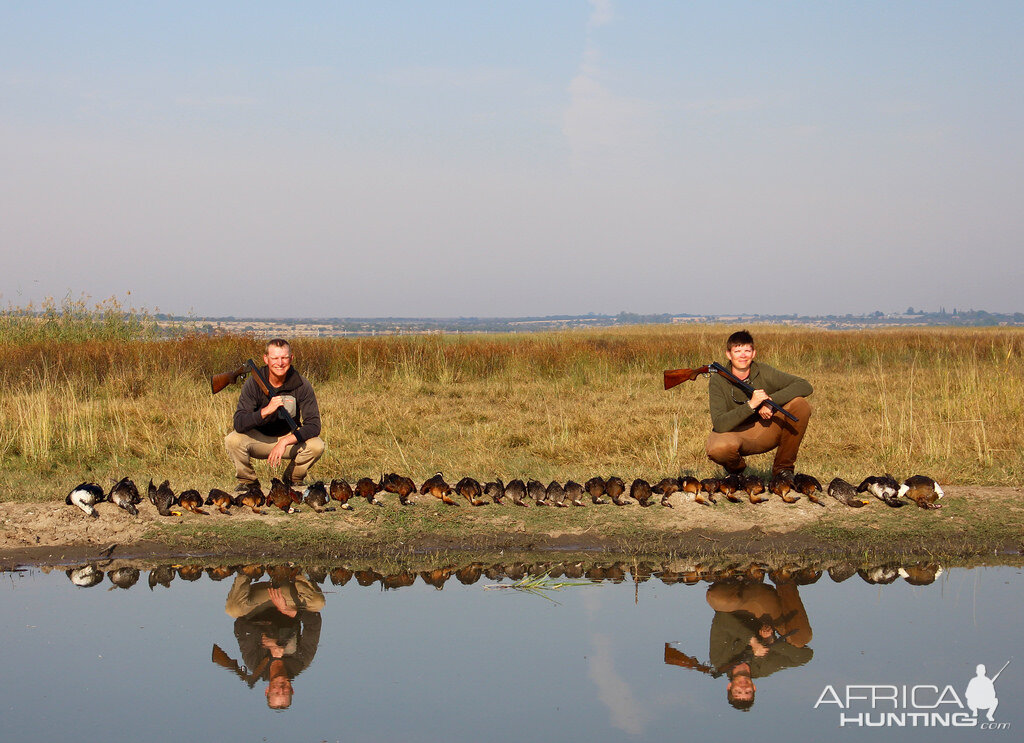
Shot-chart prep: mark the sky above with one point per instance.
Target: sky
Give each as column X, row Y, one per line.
column 446, row 159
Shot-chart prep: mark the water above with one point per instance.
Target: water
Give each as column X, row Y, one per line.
column 467, row 663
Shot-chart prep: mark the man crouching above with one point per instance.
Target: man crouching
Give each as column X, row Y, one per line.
column 262, row 432
column 742, row 426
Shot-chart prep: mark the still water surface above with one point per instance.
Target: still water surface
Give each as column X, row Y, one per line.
column 648, row 661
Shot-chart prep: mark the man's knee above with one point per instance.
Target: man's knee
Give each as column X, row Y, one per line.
column 721, row 449
column 315, row 447
column 800, row 407
column 236, row 442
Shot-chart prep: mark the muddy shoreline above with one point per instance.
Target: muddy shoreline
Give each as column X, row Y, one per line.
column 976, row 522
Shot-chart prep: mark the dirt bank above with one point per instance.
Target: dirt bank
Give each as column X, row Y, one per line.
column 973, row 521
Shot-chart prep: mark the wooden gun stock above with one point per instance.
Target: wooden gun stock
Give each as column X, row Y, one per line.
column 678, row 376
column 220, row 381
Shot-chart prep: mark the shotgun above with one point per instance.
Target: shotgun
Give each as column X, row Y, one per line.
column 678, row 376
column 220, row 381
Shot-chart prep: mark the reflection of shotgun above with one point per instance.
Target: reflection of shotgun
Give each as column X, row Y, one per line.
column 675, row 657
column 678, row 376
column 220, row 381
column 224, row 660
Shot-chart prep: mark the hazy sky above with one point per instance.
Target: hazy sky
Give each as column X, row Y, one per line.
column 513, row 158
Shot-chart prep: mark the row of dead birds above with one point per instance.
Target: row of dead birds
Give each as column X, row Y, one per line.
column 922, row 490
column 918, row 574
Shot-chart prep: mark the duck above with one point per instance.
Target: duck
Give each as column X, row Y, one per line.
column 367, row 578
column 665, row 487
column 85, row 496
column 252, row 498
column 220, row 500
column 616, row 488
column 191, row 573
column 400, row 485
column 252, row 571
column 555, row 494
column 282, row 496
column 163, row 498
column 921, row 574
column 575, row 493
column 470, row 574
column 516, row 490
column 219, row 572
column 191, row 500
column 495, row 490
column 885, row 488
column 341, row 575
column 341, row 491
column 470, row 489
column 125, row 577
column 808, row 485
column 879, row 574
column 729, row 486
column 86, row 576
column 161, row 575
column 923, row 490
column 438, row 488
column 691, row 486
column 845, row 493
column 125, row 495
column 536, row 491
column 841, row 571
column 781, row 485
column 710, row 486
column 640, row 491
column 399, row 580
column 595, row 489
column 367, row 488
column 315, row 496
column 754, row 487
column 436, row 577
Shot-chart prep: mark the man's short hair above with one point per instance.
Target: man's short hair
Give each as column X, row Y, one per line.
column 739, row 338
column 278, row 343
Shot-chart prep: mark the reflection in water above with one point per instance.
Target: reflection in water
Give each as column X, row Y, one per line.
column 277, row 626
column 757, row 630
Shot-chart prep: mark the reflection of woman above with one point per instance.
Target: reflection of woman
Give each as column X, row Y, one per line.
column 278, row 631
column 756, row 631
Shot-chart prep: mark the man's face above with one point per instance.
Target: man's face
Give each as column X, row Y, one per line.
column 278, row 359
column 741, row 356
column 741, row 688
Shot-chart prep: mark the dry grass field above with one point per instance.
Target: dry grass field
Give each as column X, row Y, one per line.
column 100, row 405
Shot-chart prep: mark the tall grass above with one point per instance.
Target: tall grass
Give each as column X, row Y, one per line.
column 943, row 402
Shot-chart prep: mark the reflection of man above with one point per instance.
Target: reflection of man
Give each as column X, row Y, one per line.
column 278, row 631
column 756, row 631
column 742, row 426
column 259, row 429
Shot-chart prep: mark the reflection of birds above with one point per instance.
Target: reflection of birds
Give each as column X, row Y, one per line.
column 341, row 491
column 162, row 575
column 341, row 575
column 190, row 573
column 163, row 498
column 841, row 571
column 219, row 572
column 879, row 574
column 516, row 490
column 125, row 495
column 316, row 497
column 191, row 500
column 885, row 488
column 924, row 491
column 781, row 485
column 845, row 493
column 595, row 489
column 220, row 500
column 86, row 576
column 85, row 496
column 808, row 485
column 641, row 492
column 125, row 577
column 665, row 487
column 921, row 574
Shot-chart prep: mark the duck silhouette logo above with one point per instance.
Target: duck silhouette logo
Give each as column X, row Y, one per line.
column 981, row 692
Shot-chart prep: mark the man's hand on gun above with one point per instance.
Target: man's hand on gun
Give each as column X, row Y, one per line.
column 756, row 401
